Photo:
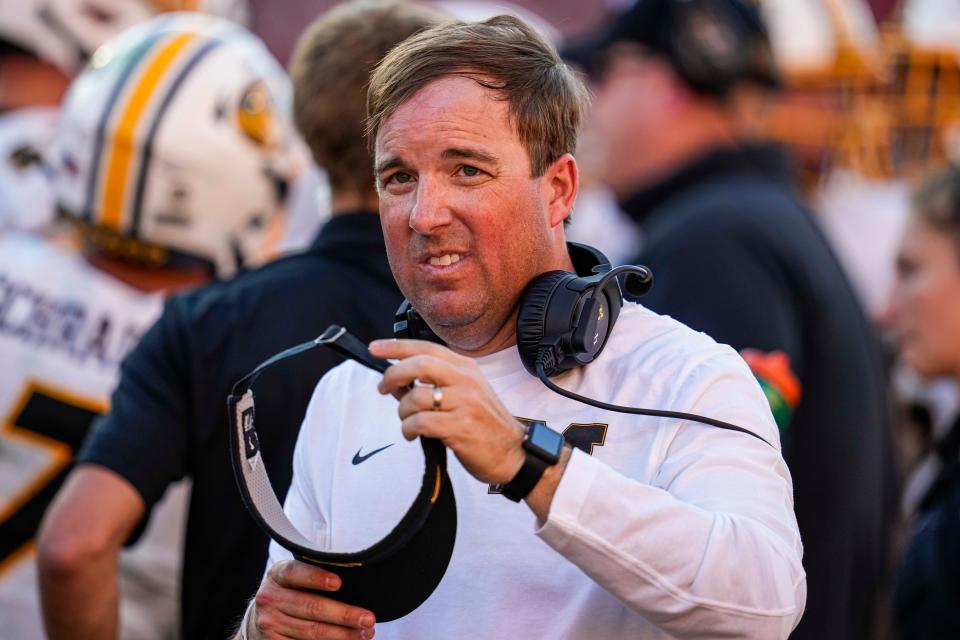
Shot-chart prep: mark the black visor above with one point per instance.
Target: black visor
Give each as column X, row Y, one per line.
column 397, row 574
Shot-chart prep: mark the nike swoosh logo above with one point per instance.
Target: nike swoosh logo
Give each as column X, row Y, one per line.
column 357, row 458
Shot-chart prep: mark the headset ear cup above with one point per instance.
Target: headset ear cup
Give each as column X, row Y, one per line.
column 532, row 316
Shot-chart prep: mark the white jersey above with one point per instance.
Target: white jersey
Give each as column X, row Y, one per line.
column 659, row 528
column 64, row 327
column 26, row 192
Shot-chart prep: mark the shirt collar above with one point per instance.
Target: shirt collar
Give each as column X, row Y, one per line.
column 763, row 160
column 350, row 227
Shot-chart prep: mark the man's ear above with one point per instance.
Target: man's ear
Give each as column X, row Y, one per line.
column 561, row 180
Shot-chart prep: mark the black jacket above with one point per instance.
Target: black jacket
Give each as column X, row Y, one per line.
column 928, row 582
column 169, row 420
column 735, row 255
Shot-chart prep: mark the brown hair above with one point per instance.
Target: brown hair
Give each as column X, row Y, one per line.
column 330, row 68
column 937, row 202
column 545, row 99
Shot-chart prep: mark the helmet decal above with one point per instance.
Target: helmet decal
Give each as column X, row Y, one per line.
column 255, row 115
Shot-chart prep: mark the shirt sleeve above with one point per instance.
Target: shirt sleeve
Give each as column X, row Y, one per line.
column 144, row 437
column 710, row 548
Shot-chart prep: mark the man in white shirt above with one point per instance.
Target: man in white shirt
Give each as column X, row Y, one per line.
column 647, row 527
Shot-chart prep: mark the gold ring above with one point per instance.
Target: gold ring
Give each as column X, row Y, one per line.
column 437, row 397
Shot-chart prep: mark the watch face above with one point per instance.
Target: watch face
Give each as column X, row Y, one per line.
column 543, row 440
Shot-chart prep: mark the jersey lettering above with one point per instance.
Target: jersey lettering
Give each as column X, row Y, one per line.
column 61, row 325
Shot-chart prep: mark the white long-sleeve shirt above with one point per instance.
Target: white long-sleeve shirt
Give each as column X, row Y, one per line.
column 661, row 528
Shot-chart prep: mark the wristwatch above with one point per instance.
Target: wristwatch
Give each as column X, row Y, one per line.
column 542, row 447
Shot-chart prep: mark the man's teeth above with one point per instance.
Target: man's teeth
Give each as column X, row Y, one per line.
column 445, row 259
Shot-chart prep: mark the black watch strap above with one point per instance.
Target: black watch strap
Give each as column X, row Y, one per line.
column 526, row 479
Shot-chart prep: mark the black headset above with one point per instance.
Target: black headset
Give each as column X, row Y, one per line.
column 560, row 311
column 564, row 322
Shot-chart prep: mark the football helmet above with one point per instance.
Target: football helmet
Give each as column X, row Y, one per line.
column 176, row 145
column 65, row 33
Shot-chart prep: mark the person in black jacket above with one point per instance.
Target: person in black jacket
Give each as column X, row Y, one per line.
column 168, row 418
column 680, row 88
column 924, row 313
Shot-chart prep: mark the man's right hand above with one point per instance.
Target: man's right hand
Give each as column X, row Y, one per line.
column 287, row 605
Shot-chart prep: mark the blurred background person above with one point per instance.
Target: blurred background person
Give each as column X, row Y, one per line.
column 170, row 160
column 168, row 418
column 681, row 90
column 924, row 313
column 869, row 107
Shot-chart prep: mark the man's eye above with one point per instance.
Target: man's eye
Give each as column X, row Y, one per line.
column 400, row 178
column 469, row 171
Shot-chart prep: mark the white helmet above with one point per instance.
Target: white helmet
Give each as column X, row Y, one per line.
column 65, row 33
column 176, row 144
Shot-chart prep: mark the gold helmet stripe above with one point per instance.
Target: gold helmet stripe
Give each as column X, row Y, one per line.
column 120, row 154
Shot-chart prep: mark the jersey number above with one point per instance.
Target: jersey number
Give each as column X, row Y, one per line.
column 56, row 422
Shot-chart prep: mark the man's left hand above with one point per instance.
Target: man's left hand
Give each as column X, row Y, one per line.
column 470, row 419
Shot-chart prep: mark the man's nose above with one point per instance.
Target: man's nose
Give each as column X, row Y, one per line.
column 431, row 209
